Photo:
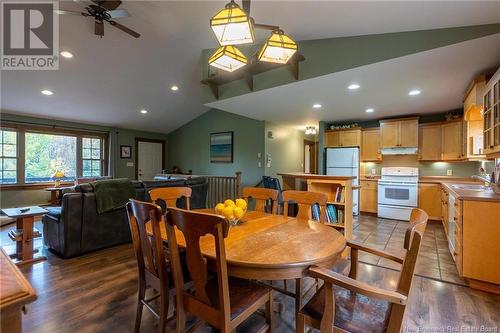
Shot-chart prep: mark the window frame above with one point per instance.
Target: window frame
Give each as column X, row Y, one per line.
column 21, row 130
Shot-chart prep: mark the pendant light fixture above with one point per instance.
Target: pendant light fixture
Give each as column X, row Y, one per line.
column 279, row 48
column 232, row 26
column 228, row 58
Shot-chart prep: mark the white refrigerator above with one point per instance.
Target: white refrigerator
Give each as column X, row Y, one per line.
column 345, row 162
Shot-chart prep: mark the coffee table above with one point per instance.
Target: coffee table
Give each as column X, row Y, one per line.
column 24, row 234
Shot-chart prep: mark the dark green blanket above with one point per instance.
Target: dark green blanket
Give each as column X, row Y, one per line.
column 111, row 194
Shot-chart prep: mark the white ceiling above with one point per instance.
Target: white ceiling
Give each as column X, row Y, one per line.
column 442, row 75
column 110, row 79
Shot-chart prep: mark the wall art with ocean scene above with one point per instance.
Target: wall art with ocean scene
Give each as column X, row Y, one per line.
column 221, row 147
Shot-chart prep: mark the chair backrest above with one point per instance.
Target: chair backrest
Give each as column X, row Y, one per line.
column 170, row 195
column 274, row 184
column 193, row 226
column 148, row 250
column 305, row 200
column 413, row 240
column 262, row 196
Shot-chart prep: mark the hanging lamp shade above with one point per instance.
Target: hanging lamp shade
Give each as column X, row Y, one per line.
column 279, row 48
column 228, row 58
column 232, row 26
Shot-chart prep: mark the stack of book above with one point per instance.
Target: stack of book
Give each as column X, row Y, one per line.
column 335, row 215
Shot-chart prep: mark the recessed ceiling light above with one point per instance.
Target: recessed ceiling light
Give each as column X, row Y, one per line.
column 370, row 110
column 67, row 54
column 143, row 111
column 174, row 88
column 414, row 92
column 317, row 106
column 353, row 86
column 47, row 92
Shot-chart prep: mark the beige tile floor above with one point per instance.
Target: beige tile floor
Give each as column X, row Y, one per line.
column 435, row 260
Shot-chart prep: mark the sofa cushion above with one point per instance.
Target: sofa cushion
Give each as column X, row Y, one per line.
column 54, row 212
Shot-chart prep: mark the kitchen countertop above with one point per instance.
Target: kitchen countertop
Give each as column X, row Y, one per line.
column 429, row 179
column 464, row 194
column 313, row 176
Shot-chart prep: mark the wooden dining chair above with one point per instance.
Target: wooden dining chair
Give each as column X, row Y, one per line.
column 345, row 304
column 168, row 196
column 221, row 301
column 262, row 197
column 305, row 201
column 151, row 260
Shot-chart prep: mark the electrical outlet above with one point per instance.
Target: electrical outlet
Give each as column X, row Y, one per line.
column 449, row 172
column 374, row 171
column 130, row 164
column 260, row 164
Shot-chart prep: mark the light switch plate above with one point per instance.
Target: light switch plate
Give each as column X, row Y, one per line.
column 130, row 164
column 260, row 164
column 259, row 155
column 449, row 172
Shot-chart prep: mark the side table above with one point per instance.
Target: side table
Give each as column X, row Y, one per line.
column 25, row 234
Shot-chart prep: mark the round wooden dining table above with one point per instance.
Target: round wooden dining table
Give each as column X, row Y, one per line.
column 273, row 247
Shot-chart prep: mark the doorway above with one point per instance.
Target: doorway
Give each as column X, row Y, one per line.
column 310, row 157
column 150, row 158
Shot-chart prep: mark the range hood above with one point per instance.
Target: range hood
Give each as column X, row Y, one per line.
column 399, row 151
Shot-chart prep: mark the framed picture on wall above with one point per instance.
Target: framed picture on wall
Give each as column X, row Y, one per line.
column 125, row 151
column 221, row 147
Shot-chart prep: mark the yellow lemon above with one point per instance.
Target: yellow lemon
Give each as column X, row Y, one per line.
column 241, row 203
column 219, row 207
column 229, row 203
column 228, row 212
column 238, row 212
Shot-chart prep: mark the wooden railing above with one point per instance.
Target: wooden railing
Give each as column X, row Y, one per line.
column 221, row 188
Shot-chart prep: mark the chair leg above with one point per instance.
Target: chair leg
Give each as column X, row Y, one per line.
column 285, row 285
column 141, row 293
column 270, row 313
column 162, row 325
column 298, row 295
column 300, row 324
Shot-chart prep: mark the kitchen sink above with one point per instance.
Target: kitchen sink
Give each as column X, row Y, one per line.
column 470, row 187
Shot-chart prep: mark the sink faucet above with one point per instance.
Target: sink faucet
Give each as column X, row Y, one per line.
column 484, row 179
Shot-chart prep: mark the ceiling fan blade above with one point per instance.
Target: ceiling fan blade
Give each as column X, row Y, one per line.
column 124, row 28
column 99, row 28
column 84, row 4
column 67, row 12
column 108, row 4
column 117, row 13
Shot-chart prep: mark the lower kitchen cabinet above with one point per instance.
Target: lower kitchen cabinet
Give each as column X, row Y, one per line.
column 368, row 197
column 429, row 199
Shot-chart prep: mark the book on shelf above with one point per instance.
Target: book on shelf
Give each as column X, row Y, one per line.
column 334, row 214
column 340, row 194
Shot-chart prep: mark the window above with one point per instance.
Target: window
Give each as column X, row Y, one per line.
column 48, row 153
column 32, row 154
column 92, row 156
column 8, row 156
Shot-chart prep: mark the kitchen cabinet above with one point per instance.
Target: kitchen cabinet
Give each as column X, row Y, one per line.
column 368, row 196
column 343, row 138
column 370, row 145
column 452, row 141
column 444, row 208
column 473, row 119
column 491, row 120
column 429, row 146
column 399, row 133
column 429, row 199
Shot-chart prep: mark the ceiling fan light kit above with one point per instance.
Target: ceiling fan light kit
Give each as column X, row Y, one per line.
column 279, row 48
column 234, row 26
column 228, row 58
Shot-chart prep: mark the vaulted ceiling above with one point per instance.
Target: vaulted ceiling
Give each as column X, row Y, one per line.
column 110, row 79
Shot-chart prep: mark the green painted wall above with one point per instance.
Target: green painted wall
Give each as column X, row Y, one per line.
column 189, row 145
column 118, row 136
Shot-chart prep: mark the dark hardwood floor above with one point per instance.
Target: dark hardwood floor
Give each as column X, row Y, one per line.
column 97, row 293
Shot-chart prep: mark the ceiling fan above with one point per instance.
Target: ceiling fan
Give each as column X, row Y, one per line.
column 103, row 11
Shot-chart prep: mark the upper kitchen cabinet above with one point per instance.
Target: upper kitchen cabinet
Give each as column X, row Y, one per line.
column 399, row 133
column 429, row 146
column 350, row 137
column 452, row 143
column 370, row 145
column 474, row 120
column 492, row 116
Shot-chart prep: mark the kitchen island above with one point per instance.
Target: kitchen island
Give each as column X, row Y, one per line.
column 339, row 191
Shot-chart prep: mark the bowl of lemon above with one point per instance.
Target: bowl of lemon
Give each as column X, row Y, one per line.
column 233, row 211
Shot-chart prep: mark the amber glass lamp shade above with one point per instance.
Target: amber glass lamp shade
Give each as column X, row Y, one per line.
column 57, row 178
column 228, row 58
column 232, row 26
column 279, row 48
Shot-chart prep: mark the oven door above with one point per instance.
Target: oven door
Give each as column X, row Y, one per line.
column 398, row 194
